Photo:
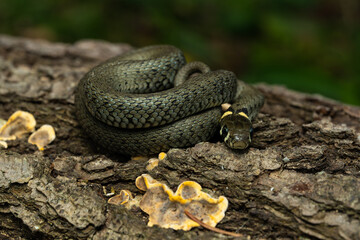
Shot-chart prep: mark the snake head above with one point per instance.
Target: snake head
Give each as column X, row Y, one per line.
column 236, row 130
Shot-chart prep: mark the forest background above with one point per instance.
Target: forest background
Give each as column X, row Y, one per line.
column 307, row 45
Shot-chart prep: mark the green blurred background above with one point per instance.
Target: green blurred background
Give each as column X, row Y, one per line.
column 307, row 45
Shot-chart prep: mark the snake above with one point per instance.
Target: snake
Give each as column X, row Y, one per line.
column 150, row 99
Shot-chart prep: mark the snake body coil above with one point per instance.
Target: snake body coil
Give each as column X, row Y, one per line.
column 129, row 104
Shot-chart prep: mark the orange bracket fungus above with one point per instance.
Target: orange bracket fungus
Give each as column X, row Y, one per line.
column 167, row 209
column 42, row 137
column 17, row 125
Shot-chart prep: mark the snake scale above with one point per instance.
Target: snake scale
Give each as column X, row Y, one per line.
column 150, row 100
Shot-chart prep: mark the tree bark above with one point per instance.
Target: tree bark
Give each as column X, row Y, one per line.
column 300, row 177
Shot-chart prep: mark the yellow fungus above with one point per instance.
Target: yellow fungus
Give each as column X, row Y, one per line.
column 18, row 124
column 2, row 122
column 3, row 144
column 125, row 198
column 152, row 163
column 122, row 198
column 162, row 156
column 142, row 182
column 42, row 137
column 166, row 208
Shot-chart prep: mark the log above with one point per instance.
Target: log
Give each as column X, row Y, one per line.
column 299, row 178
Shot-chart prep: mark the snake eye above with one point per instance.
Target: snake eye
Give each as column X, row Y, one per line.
column 224, row 131
column 251, row 131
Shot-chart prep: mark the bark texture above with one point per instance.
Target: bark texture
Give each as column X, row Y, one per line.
column 301, row 176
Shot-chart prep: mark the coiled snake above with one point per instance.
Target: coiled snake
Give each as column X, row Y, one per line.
column 129, row 104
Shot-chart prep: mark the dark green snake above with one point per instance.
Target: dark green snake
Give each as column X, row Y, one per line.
column 129, row 104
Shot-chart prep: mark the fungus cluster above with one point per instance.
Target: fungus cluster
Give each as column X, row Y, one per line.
column 18, row 124
column 126, row 199
column 167, row 209
column 21, row 123
column 42, row 137
column 154, row 162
